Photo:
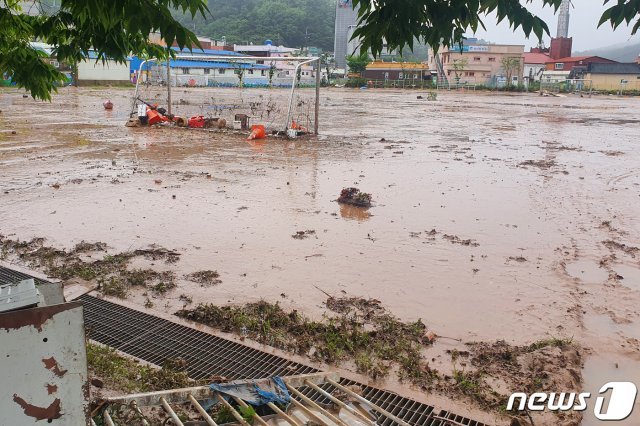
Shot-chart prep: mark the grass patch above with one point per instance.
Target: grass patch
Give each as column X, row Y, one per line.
column 124, row 374
column 551, row 342
column 362, row 331
column 111, row 271
column 204, row 277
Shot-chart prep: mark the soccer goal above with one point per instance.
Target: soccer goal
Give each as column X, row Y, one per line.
column 280, row 93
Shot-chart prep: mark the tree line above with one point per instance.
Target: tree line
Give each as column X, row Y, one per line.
column 293, row 23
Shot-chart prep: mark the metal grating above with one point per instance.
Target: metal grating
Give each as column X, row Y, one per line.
column 9, row 276
column 156, row 340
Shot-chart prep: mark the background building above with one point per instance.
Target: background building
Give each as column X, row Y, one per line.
column 534, row 65
column 482, row 63
column 346, row 22
column 397, row 71
column 614, row 76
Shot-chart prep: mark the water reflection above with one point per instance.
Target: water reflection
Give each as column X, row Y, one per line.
column 354, row 213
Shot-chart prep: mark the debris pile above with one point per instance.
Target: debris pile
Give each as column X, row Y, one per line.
column 355, row 197
column 362, row 331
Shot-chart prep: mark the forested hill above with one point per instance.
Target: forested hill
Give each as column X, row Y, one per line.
column 293, row 23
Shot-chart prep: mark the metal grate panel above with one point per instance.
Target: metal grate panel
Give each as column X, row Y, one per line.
column 156, row 340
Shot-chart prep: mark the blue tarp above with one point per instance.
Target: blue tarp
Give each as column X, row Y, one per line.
column 257, row 393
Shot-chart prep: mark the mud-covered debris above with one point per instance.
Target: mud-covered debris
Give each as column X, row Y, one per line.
column 454, row 239
column 204, row 277
column 614, row 245
column 363, row 332
column 542, row 164
column 85, row 247
column 111, row 272
column 301, row 235
column 355, row 197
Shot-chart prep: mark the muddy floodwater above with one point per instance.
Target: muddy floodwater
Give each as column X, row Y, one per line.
column 510, row 217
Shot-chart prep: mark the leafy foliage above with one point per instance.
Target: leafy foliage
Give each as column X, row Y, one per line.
column 399, row 23
column 294, row 23
column 510, row 65
column 358, row 63
column 114, row 29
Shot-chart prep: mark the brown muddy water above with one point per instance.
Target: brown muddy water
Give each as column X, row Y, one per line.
column 534, row 204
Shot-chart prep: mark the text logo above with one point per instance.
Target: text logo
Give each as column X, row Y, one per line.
column 619, row 407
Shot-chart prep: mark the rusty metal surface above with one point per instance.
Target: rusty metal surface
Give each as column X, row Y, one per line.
column 43, row 366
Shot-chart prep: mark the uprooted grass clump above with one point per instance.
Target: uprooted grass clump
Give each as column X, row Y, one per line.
column 126, row 375
column 360, row 330
column 91, row 262
column 205, row 278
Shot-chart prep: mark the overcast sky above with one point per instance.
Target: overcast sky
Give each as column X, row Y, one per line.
column 582, row 27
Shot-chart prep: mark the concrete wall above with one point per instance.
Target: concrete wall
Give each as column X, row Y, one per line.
column 109, row 72
column 612, row 81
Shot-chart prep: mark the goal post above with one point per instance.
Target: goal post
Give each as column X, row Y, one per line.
column 230, row 86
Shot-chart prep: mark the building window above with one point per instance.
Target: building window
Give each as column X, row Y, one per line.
column 400, row 76
column 221, row 71
column 471, row 74
column 559, row 66
column 185, row 70
column 492, row 59
column 386, row 76
column 287, row 72
column 262, row 73
column 207, row 71
column 415, row 76
column 476, row 58
column 251, row 72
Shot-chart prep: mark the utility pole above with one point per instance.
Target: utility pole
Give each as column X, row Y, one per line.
column 169, row 85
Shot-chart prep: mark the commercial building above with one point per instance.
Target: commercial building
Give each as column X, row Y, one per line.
column 616, row 76
column 477, row 62
column 346, row 22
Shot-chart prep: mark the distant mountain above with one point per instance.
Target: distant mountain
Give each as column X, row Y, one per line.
column 627, row 52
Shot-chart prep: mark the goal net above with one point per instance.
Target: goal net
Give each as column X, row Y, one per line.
column 278, row 93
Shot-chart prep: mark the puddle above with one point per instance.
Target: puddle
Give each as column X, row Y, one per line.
column 630, row 275
column 587, row 271
column 604, row 368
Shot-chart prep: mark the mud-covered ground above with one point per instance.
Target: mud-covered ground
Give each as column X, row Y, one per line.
column 494, row 217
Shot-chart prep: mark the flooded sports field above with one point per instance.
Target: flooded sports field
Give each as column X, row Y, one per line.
column 494, row 217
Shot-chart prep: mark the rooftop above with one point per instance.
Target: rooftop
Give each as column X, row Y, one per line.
column 536, row 58
column 183, row 63
column 211, row 52
column 623, row 68
column 396, row 66
column 577, row 59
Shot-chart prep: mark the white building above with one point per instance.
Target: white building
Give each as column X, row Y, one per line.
column 91, row 72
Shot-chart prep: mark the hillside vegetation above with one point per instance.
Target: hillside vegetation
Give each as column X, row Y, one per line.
column 294, row 23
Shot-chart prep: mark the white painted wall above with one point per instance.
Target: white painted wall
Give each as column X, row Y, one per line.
column 109, row 71
column 533, row 70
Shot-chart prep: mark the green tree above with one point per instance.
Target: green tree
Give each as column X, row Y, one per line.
column 399, row 23
column 459, row 66
column 358, row 63
column 510, row 65
column 114, row 29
